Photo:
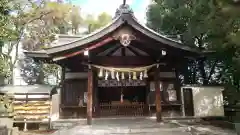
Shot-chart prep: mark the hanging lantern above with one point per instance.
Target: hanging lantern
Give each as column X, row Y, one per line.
column 122, row 76
column 100, row 73
column 117, row 76
column 145, row 74
column 112, row 74
column 141, row 76
column 106, row 75
column 129, row 75
column 134, row 76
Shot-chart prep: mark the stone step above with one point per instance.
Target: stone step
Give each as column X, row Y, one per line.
column 65, row 124
column 142, row 124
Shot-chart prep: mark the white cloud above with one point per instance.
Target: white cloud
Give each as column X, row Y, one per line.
column 109, row 6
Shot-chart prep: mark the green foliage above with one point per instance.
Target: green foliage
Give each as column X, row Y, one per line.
column 94, row 24
column 76, row 19
column 52, row 70
column 209, row 25
column 35, row 24
column 5, row 31
column 4, row 67
column 59, row 18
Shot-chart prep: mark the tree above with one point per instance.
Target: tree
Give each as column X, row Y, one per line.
column 24, row 14
column 209, row 25
column 4, row 19
column 196, row 23
column 32, row 25
column 76, row 19
column 62, row 19
column 4, row 32
column 94, row 24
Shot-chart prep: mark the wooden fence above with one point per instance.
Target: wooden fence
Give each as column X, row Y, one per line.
column 108, row 109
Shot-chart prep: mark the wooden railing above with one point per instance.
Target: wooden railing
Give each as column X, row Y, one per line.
column 133, row 109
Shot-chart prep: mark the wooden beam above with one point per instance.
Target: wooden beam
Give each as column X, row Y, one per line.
column 122, row 60
column 89, row 98
column 105, row 49
column 123, row 51
column 113, row 50
column 158, row 96
column 151, row 52
column 134, row 51
column 101, row 43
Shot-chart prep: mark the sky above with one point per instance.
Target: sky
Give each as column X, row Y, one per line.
column 96, row 7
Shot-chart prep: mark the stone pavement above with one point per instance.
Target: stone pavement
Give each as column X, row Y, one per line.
column 142, row 126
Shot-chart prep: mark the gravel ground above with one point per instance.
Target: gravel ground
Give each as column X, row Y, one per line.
column 142, row 126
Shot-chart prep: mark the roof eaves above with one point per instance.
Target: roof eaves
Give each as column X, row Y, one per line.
column 37, row 54
column 69, row 36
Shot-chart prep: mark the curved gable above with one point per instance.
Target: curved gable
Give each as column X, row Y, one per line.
column 88, row 38
column 125, row 17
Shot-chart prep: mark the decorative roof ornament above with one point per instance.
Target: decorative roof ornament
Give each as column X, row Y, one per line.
column 125, row 39
column 123, row 9
column 125, row 36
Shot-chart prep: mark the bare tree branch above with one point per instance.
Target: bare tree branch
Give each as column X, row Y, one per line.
column 212, row 70
column 22, row 33
column 37, row 18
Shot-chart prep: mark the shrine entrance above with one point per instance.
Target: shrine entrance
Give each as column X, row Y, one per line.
column 125, row 100
column 137, row 70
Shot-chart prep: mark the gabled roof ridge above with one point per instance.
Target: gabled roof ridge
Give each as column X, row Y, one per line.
column 111, row 27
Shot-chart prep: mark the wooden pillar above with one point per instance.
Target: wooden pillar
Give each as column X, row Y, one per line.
column 62, row 91
column 158, row 96
column 89, row 99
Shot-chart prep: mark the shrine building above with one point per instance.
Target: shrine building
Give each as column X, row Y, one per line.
column 123, row 69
